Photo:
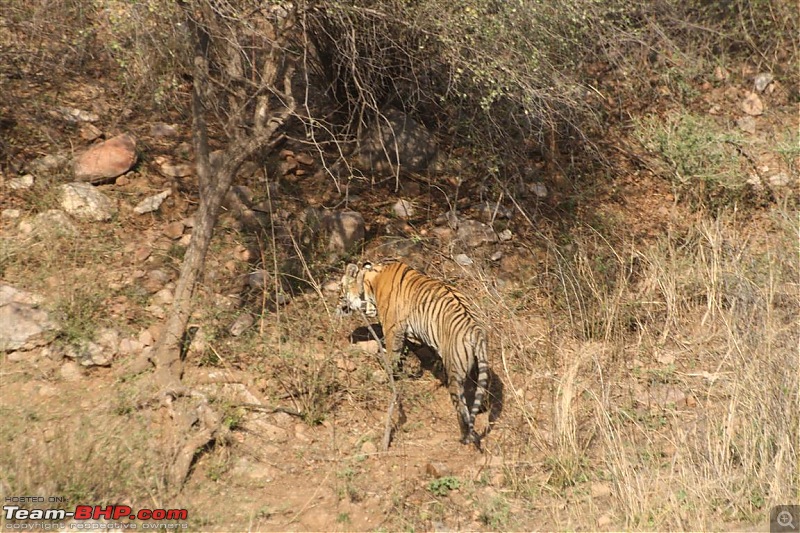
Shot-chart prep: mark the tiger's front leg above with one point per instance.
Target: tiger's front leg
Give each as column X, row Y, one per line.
column 395, row 341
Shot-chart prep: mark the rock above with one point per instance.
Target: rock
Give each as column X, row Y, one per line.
column 752, row 105
column 304, row 159
column 720, row 73
column 762, row 80
column 109, row 339
column 403, row 209
column 84, row 201
column 47, row 164
column 539, row 189
column 156, row 310
column 21, row 183
column 665, row 358
column 338, row 231
column 151, row 203
column 505, row 235
column 489, row 211
column 258, row 280
column 163, row 297
column 173, row 170
column 438, row 470
column 345, row 364
column 443, row 234
column 662, row 395
column 450, row 219
column 161, row 129
column 155, row 280
column 88, row 353
column 22, row 324
column 52, row 222
column 600, row 490
column 241, row 324
column 130, row 346
column 463, row 260
column 604, row 520
column 287, row 166
column 369, row 448
column 333, row 286
column 146, row 337
column 106, row 160
column 10, row 214
column 746, row 124
column 142, row 253
column 473, row 233
column 780, row 179
column 89, row 132
column 71, row 114
column 71, row 371
column 395, row 139
column 370, row 347
column 173, row 230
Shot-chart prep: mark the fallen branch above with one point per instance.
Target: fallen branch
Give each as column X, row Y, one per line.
column 394, row 403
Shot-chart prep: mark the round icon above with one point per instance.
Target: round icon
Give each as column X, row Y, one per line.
column 785, row 519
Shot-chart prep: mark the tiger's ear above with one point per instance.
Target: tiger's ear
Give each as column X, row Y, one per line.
column 351, row 270
column 367, row 266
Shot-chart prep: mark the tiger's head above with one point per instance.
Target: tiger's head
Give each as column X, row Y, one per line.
column 354, row 295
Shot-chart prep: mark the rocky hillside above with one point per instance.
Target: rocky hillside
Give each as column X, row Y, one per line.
column 642, row 306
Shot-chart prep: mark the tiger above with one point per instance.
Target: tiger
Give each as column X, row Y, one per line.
column 423, row 310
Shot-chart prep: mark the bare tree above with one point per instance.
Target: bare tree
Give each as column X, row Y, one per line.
column 243, row 69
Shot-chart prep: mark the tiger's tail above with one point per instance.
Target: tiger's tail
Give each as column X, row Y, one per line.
column 482, row 362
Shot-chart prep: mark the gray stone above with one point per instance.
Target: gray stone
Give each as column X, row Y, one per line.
column 173, row 230
column 106, row 160
column 241, row 324
column 22, row 324
column 393, row 140
column 403, row 209
column 23, row 182
column 151, row 203
column 84, row 201
column 780, row 179
column 505, row 235
column 339, row 231
column 491, row 211
column 52, row 222
column 746, row 124
column 762, row 80
column 161, row 129
column 71, row 114
column 88, row 353
column 71, row 371
column 539, row 189
column 463, row 260
column 473, row 233
column 47, row 164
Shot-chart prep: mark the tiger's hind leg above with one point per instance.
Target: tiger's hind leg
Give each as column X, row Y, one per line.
column 465, row 420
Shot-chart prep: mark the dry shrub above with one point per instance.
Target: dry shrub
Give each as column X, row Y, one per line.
column 704, row 317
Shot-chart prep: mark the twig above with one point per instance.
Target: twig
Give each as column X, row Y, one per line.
column 266, row 409
column 395, row 401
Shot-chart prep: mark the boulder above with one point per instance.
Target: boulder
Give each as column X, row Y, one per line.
column 84, row 201
column 106, row 160
column 22, row 324
column 395, row 139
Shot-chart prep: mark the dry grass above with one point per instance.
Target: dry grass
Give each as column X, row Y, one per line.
column 676, row 381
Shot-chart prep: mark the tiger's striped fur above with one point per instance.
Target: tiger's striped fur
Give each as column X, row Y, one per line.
column 412, row 306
